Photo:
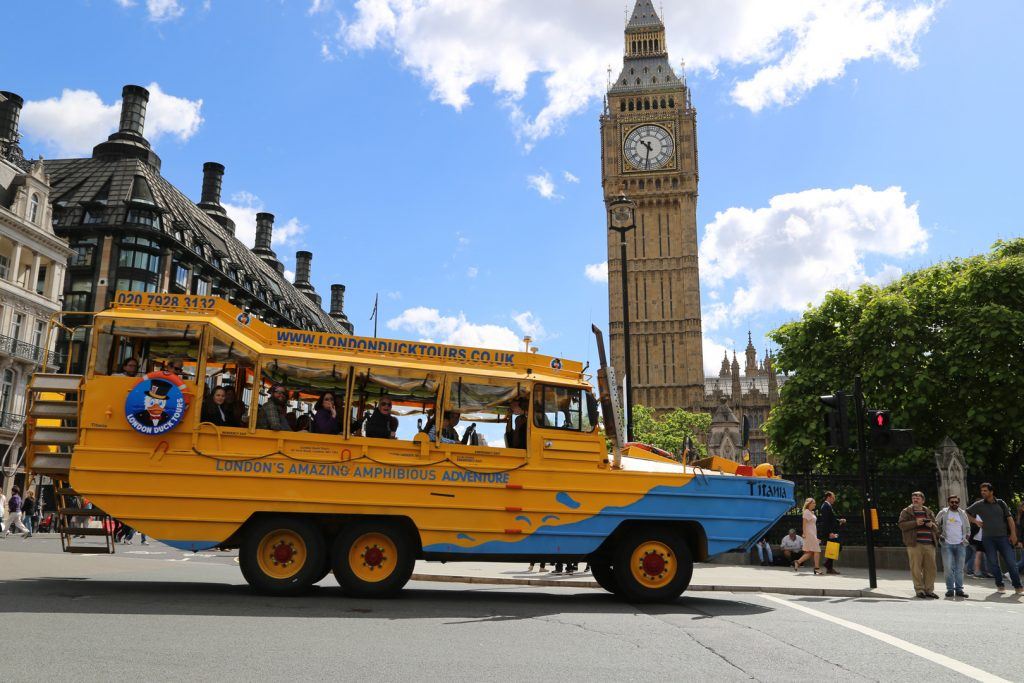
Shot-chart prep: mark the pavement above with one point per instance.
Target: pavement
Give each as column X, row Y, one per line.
column 155, row 613
column 850, row 583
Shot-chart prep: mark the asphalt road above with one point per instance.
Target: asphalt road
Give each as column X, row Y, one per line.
column 174, row 616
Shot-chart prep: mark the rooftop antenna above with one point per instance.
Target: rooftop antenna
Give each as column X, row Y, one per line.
column 609, row 83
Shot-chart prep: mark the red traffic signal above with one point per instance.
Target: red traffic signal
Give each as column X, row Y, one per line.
column 879, row 420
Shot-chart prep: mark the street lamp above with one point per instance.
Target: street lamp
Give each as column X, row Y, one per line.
column 622, row 219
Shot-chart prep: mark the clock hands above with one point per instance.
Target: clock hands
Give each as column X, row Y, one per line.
column 647, row 159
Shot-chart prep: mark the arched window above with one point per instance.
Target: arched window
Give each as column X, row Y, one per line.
column 622, row 105
column 654, row 104
column 638, row 81
column 655, row 44
column 662, row 102
column 33, row 208
column 631, row 72
column 647, row 104
column 631, row 105
column 671, row 103
column 657, row 184
column 641, row 184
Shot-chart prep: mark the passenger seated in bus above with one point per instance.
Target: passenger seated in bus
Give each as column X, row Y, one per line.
column 129, row 368
column 326, row 418
column 234, row 406
column 515, row 427
column 448, row 433
column 273, row 414
column 217, row 411
column 381, row 424
column 175, row 366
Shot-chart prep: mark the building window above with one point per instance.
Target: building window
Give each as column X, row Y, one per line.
column 202, row 286
column 130, row 258
column 79, row 296
column 136, row 284
column 38, row 333
column 92, row 216
column 218, row 263
column 140, row 217
column 82, row 254
column 41, row 281
column 140, row 241
column 181, row 276
column 179, row 235
column 33, row 208
column 6, row 390
column 17, row 322
column 5, row 267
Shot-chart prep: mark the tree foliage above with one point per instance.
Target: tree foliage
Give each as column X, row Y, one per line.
column 669, row 431
column 942, row 347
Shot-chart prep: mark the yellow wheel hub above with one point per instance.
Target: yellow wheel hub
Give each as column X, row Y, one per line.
column 653, row 564
column 282, row 554
column 372, row 557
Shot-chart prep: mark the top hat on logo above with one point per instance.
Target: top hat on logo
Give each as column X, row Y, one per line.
column 159, row 389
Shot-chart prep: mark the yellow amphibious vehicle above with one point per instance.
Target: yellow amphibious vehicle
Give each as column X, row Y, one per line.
column 314, row 453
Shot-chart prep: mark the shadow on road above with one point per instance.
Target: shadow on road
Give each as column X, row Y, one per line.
column 87, row 596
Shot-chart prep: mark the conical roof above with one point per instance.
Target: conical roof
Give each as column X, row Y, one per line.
column 644, row 17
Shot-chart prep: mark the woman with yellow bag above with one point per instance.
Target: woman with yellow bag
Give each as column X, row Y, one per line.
column 828, row 531
column 812, row 548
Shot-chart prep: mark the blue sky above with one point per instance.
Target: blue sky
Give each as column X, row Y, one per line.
column 839, row 142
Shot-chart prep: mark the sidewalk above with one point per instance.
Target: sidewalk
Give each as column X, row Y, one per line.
column 852, row 583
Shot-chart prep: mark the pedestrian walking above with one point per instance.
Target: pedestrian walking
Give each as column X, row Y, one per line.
column 3, row 510
column 28, row 511
column 828, row 527
column 920, row 536
column 954, row 526
column 812, row 548
column 1000, row 535
column 14, row 514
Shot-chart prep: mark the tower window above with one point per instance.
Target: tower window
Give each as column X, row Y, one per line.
column 655, row 44
column 631, row 105
column 631, row 71
column 622, row 105
column 662, row 102
column 638, row 81
column 671, row 103
column 642, row 184
column 647, row 104
column 657, row 184
column 33, row 208
column 654, row 104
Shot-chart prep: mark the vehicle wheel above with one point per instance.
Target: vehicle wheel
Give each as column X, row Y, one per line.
column 652, row 565
column 373, row 559
column 282, row 555
column 605, row 576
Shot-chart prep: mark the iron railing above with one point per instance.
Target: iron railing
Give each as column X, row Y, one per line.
column 28, row 351
column 11, row 421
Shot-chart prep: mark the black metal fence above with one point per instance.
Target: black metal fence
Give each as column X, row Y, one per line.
column 892, row 494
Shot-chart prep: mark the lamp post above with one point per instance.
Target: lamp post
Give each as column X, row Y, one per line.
column 622, row 219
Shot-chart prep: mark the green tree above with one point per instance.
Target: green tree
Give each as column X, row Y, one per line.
column 669, row 431
column 942, row 347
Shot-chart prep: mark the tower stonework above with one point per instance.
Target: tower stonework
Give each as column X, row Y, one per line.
column 649, row 153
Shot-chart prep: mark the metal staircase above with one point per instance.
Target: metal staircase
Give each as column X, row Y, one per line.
column 51, row 432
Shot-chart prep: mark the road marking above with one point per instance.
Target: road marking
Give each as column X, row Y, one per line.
column 924, row 653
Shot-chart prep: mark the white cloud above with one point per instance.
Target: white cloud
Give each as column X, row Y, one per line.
column 430, row 325
column 597, row 272
column 242, row 209
column 164, row 10
column 544, row 185
column 289, row 275
column 713, row 352
column 125, row 3
column 569, row 177
column 394, row 296
column 790, row 46
column 78, row 120
column 530, row 325
column 788, row 254
column 472, row 272
column 317, row 6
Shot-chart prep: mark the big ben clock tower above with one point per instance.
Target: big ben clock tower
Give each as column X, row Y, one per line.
column 649, row 153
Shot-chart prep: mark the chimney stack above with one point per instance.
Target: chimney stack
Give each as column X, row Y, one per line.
column 134, row 99
column 338, row 308
column 212, row 175
column 10, row 112
column 302, row 262
column 128, row 141
column 264, row 231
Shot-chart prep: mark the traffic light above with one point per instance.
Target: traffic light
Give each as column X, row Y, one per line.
column 883, row 437
column 837, row 424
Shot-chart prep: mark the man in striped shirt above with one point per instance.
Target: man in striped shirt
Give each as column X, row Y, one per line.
column 920, row 535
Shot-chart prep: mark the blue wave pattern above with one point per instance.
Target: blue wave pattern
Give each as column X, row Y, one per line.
column 728, row 508
column 567, row 500
column 524, row 518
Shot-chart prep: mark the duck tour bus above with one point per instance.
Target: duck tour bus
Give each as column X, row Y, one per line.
column 313, row 453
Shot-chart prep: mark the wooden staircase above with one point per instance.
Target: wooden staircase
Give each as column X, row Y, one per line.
column 51, row 432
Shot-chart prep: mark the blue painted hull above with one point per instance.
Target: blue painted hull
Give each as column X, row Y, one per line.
column 733, row 511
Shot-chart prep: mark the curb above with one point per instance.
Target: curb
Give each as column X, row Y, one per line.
column 587, row 583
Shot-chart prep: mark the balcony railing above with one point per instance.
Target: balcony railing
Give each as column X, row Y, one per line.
column 10, row 421
column 29, row 352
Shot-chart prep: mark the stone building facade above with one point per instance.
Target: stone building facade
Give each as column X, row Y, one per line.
column 731, row 395
column 649, row 153
column 32, row 262
column 129, row 228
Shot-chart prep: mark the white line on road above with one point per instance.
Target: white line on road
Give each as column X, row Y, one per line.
column 924, row 653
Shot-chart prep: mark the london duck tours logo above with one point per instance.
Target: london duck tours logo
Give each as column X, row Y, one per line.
column 156, row 404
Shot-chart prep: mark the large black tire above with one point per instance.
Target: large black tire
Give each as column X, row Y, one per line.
column 652, row 565
column 605, row 576
column 373, row 558
column 282, row 555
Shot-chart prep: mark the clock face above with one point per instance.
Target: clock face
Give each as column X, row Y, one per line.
column 649, row 147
